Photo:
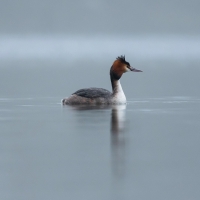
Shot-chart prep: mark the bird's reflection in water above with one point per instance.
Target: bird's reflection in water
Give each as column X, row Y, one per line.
column 118, row 119
column 117, row 129
column 118, row 142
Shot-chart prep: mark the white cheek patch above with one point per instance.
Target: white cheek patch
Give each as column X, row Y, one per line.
column 127, row 69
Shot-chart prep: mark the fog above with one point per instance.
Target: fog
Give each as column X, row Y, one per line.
column 93, row 17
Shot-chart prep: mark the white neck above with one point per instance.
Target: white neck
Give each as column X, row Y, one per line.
column 118, row 93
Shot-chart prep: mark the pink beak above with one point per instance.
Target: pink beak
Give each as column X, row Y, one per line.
column 135, row 70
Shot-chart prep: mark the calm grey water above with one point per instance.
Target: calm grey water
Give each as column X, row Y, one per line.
column 147, row 149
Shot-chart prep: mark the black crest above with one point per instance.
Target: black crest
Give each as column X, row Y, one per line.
column 122, row 59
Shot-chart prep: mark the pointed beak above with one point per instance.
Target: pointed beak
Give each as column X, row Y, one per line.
column 135, row 70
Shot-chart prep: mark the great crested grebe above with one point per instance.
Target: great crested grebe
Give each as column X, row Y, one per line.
column 103, row 96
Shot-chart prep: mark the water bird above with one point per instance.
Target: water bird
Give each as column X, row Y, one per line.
column 102, row 96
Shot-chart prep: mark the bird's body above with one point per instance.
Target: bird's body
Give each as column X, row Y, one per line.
column 100, row 95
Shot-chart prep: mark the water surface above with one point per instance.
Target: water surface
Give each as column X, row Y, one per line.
column 147, row 148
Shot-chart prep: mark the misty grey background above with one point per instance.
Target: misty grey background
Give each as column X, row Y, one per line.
column 100, row 17
column 148, row 149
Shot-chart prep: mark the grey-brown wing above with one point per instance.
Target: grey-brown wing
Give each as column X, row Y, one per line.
column 93, row 93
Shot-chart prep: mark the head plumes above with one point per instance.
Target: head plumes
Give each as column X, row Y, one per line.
column 122, row 59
